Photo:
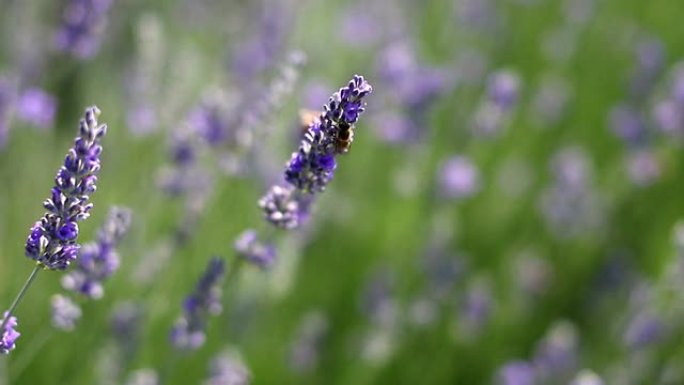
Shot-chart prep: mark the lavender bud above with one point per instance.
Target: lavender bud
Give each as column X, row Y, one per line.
column 189, row 330
column 228, row 369
column 255, row 252
column 52, row 240
column 37, row 107
column 9, row 334
column 83, row 23
column 65, row 313
column 503, row 89
column 283, row 207
column 99, row 260
column 459, row 178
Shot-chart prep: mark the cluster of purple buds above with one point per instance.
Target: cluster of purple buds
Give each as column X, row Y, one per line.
column 52, row 241
column 311, row 168
column 8, row 334
column 83, row 23
column 65, row 313
column 502, row 96
column 189, row 330
column 254, row 251
column 99, row 260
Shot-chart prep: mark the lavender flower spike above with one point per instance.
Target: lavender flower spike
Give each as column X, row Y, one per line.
column 99, row 260
column 65, row 313
column 188, row 332
column 311, row 168
column 8, row 335
column 52, row 241
column 83, row 24
column 254, row 251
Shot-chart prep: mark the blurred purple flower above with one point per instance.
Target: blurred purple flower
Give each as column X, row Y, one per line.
column 52, row 240
column 36, row 107
column 551, row 100
column 254, row 251
column 395, row 127
column 99, row 260
column 308, row 342
column 359, row 28
column 645, row 329
column 643, row 167
column 669, row 118
column 627, row 123
column 189, row 330
column 515, row 373
column 82, row 29
column 459, row 178
column 8, row 335
column 476, row 308
column 556, row 355
column 570, row 205
column 65, row 313
column 126, row 323
column 142, row 119
column 503, row 89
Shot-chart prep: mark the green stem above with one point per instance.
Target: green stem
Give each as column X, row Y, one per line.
column 17, row 300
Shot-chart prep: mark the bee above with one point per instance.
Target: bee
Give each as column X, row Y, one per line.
column 307, row 118
column 344, row 138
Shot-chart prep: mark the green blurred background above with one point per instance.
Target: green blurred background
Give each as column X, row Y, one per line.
column 383, row 215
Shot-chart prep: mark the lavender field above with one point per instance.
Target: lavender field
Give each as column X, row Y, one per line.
column 365, row 192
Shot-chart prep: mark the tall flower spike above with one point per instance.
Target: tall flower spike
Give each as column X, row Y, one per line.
column 99, row 260
column 52, row 240
column 189, row 330
column 311, row 168
column 83, row 24
column 8, row 334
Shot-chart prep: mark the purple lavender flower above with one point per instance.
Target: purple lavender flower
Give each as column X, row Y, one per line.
column 189, row 330
column 83, row 23
column 65, row 313
column 503, row 89
column 283, row 207
column 308, row 342
column 311, row 168
column 627, row 123
column 643, row 167
column 556, row 354
column 252, row 250
column 126, row 321
column 9, row 334
column 645, row 329
column 228, row 369
column 52, row 241
column 459, row 178
column 99, row 260
column 515, row 373
column 36, row 107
